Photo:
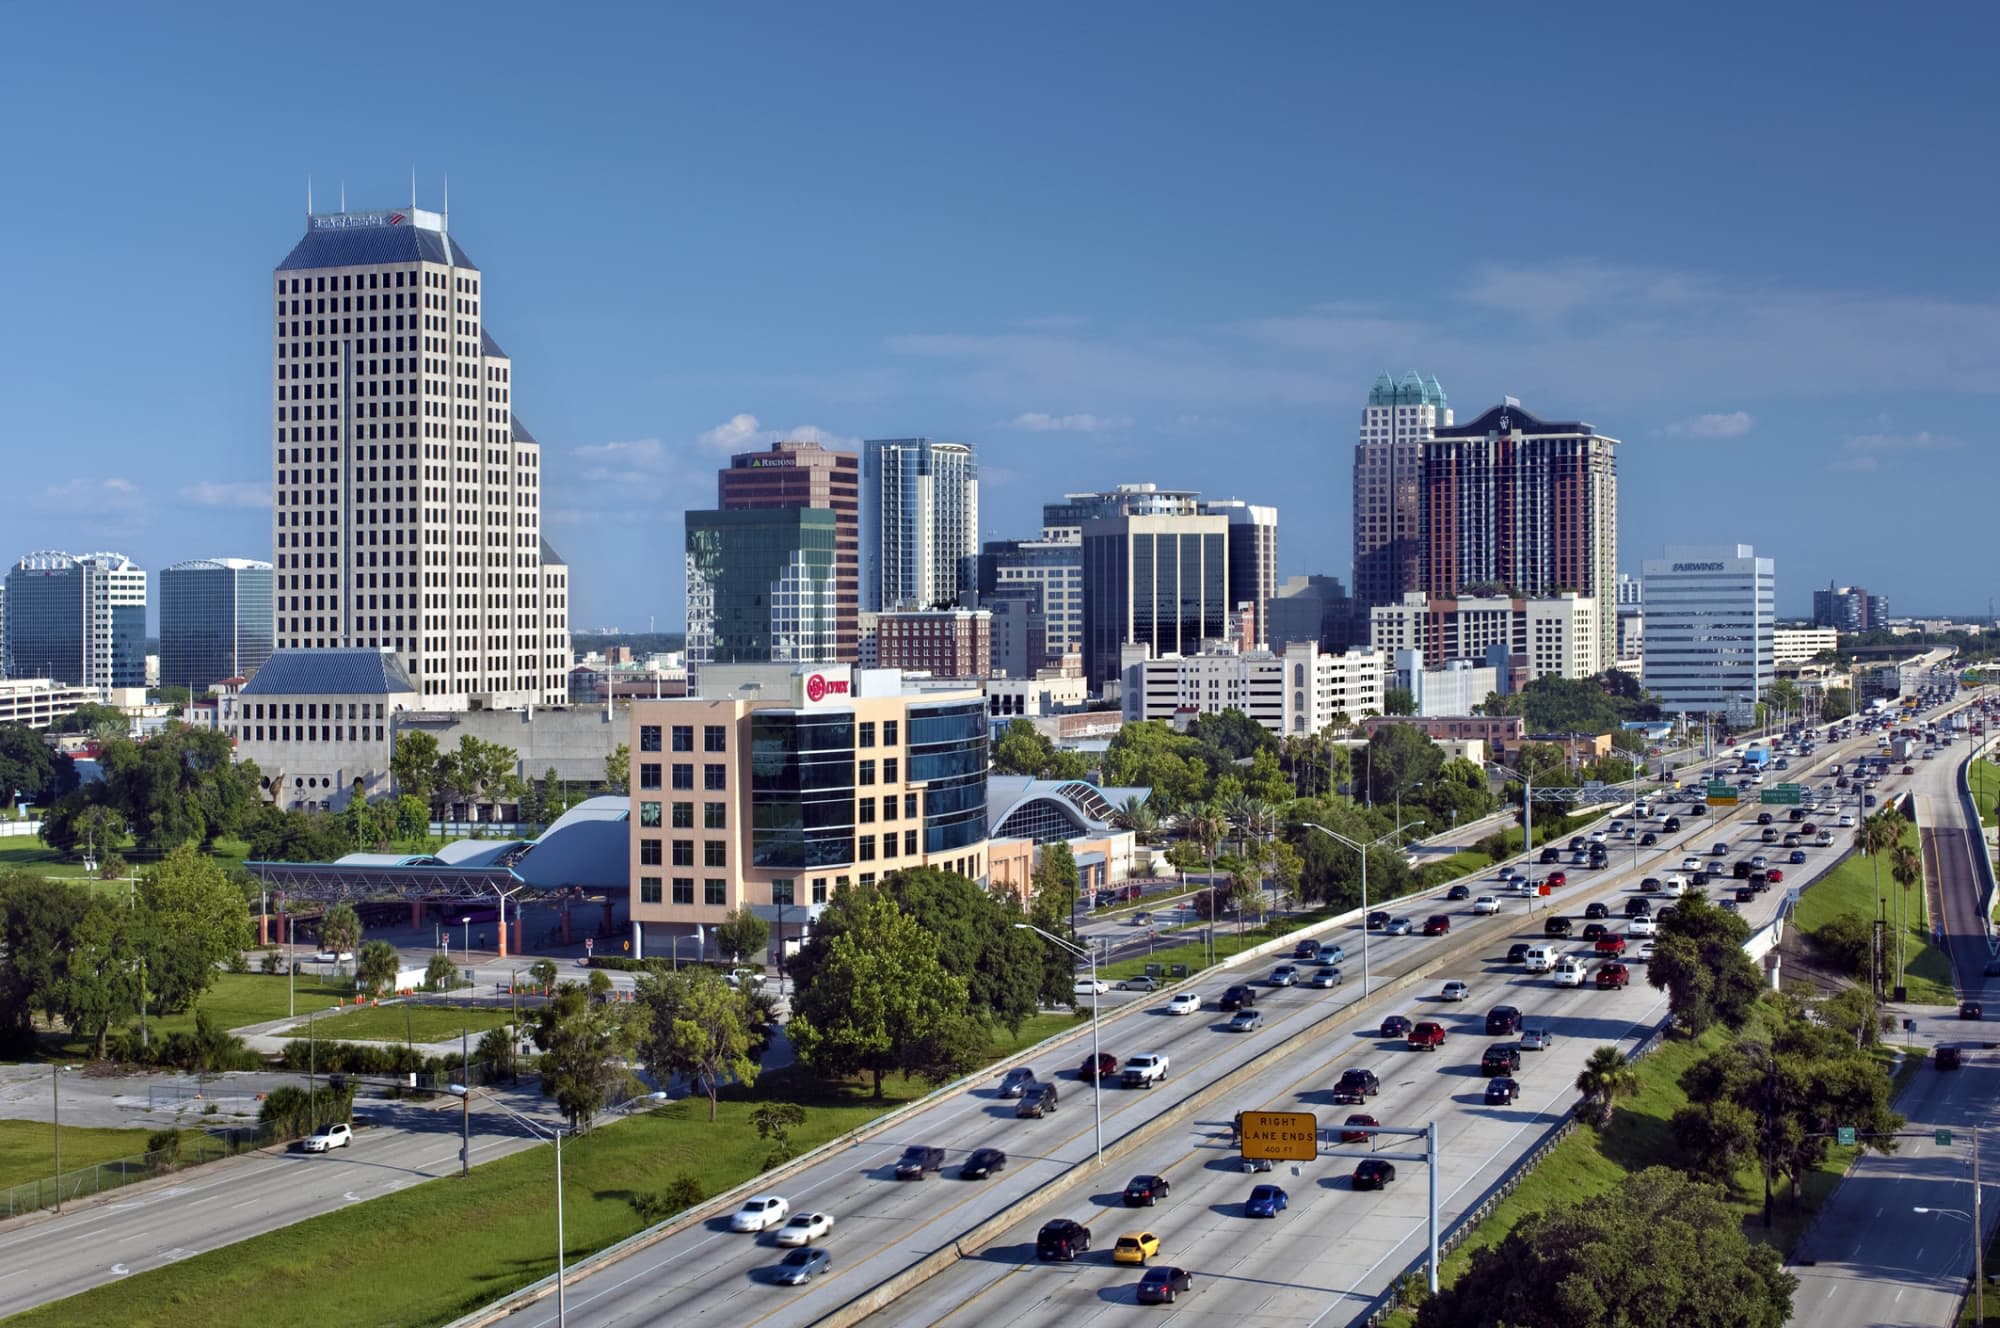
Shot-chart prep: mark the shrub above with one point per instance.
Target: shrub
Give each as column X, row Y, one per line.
column 163, row 1149
column 290, row 1113
column 1844, row 942
column 682, row 1193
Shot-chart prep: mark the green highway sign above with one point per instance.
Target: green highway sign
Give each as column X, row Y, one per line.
column 1846, row 1136
column 1721, row 794
column 1780, row 795
column 1944, row 1138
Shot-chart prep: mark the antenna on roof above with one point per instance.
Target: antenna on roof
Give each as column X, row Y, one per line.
column 309, row 195
column 446, row 214
column 413, row 186
column 343, row 195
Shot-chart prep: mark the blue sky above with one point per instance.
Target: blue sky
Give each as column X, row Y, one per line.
column 1101, row 243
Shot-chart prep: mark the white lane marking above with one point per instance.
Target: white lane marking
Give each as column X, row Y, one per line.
column 351, row 1197
column 120, row 1270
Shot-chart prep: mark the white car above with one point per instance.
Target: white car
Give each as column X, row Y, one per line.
column 760, row 1214
column 1525, row 888
column 330, row 1137
column 1846, row 820
column 1455, row 991
column 1690, row 864
column 334, row 957
column 1091, row 987
column 1641, row 925
column 1568, row 973
column 1184, row 1003
column 1643, row 954
column 804, row 1229
column 1486, row 904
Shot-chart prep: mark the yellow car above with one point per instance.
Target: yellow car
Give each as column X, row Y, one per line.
column 1135, row 1247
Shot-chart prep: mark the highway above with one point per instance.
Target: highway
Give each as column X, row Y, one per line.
column 48, row 1256
column 1355, row 1242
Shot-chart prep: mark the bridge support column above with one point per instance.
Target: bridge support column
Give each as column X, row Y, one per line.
column 606, row 929
column 416, row 913
column 565, row 922
column 638, row 939
column 501, row 953
column 263, row 929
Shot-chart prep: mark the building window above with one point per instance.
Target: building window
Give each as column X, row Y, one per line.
column 889, row 729
column 865, row 772
column 909, row 806
column 715, row 777
column 683, row 737
column 649, row 889
column 715, row 816
column 683, row 816
column 781, row 893
column 683, row 775
column 683, row 853
column 865, row 733
column 867, row 810
column 889, row 807
column 889, row 844
column 867, row 843
column 649, row 737
column 649, row 815
column 649, row 774
column 714, row 853
column 867, row 878
column 714, row 893
column 890, row 767
column 909, row 843
column 714, row 738
column 649, row 853
column 683, row 889
column 819, row 889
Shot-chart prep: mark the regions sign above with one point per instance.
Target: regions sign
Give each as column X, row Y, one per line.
column 1280, row 1136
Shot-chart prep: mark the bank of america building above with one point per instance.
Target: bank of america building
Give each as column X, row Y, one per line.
column 1710, row 620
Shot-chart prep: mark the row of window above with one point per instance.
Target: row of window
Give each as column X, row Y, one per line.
column 714, row 815
column 714, row 775
column 714, row 852
column 714, row 737
column 311, row 732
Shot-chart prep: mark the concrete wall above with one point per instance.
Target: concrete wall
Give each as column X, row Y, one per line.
column 575, row 740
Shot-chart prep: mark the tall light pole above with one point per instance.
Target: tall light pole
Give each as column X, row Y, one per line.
column 1362, row 849
column 466, row 1091
column 1096, row 1078
column 1527, row 804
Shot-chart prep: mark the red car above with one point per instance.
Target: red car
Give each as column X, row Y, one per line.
column 1427, row 1036
column 1358, row 1136
column 1557, row 879
column 1909, row 770
column 1775, row 875
column 1102, row 1066
column 1611, row 945
column 1437, row 924
column 1612, row 976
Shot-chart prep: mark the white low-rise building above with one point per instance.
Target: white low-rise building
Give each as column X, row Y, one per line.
column 1534, row 637
column 1301, row 690
column 1456, row 689
column 1797, row 645
column 40, row 702
column 315, row 721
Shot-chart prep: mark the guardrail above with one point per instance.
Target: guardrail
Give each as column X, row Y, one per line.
column 1975, row 827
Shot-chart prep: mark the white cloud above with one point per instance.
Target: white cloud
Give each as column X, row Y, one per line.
column 1732, row 425
column 1863, row 452
column 732, row 435
column 111, row 494
column 1035, row 421
column 214, row 493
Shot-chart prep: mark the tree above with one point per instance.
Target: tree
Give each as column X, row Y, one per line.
column 1906, row 868
column 775, row 1121
column 376, row 965
column 1698, row 961
column 1149, row 754
column 413, row 765
column 440, row 973
column 497, row 1048
column 742, row 934
column 1875, row 836
column 1680, row 1257
column 1836, row 703
column 1022, row 750
column 978, row 940
column 696, row 1024
column 1398, row 701
column 38, row 921
column 1136, row 814
column 91, row 717
column 543, row 971
column 198, row 918
column 618, row 769
column 877, row 999
column 1844, row 941
column 479, row 771
column 28, row 769
column 180, row 786
column 100, row 984
column 584, row 1044
column 1057, row 881
column 1234, row 735
column 1398, row 758
column 340, row 929
column 412, row 818
column 1605, row 1077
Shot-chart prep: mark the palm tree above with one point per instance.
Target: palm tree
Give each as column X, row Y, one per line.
column 1136, row 814
column 1875, row 836
column 1606, row 1077
column 1906, row 866
column 1238, row 811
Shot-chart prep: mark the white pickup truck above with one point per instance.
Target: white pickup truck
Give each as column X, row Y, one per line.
column 1144, row 1070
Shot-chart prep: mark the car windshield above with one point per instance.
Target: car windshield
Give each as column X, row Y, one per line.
column 797, row 1257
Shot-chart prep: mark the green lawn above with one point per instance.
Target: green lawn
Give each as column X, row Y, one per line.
column 31, row 855
column 1984, row 779
column 1850, row 887
column 398, row 1023
column 1589, row 1163
column 27, row 1149
column 235, row 1001
column 430, row 1253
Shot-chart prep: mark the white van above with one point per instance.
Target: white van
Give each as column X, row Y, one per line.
column 1539, row 958
column 1568, row 972
column 1674, row 884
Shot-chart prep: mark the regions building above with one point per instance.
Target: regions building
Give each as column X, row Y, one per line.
column 777, row 786
column 1710, row 614
column 1398, row 420
column 920, row 523
column 1297, row 691
column 77, row 619
column 806, row 474
column 1522, row 638
column 407, row 512
column 215, row 621
column 1527, row 507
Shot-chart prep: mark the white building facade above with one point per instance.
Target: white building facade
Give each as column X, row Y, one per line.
column 1797, row 645
column 1452, row 690
column 919, row 522
column 1299, row 691
column 1539, row 636
column 1710, row 629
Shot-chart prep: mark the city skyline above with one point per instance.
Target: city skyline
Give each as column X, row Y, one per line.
column 1045, row 306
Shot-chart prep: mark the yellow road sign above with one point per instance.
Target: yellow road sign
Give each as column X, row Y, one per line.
column 1281, row 1136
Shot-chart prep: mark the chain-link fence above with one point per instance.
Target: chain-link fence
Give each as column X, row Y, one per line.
column 188, row 1151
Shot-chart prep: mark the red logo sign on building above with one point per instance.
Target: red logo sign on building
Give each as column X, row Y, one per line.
column 819, row 687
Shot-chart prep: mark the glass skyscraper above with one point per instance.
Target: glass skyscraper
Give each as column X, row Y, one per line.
column 919, row 522
column 77, row 619
column 215, row 621
column 761, row 586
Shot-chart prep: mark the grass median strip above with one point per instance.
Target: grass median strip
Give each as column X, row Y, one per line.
column 27, row 1149
column 1850, row 888
column 235, row 1001
column 400, row 1023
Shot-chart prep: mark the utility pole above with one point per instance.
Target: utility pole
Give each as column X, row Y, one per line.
column 465, row 1103
column 55, row 1079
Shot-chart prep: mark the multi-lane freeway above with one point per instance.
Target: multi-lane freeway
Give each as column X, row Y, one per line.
column 1321, row 1261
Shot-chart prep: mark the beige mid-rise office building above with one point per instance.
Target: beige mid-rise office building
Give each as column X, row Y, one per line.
column 407, row 513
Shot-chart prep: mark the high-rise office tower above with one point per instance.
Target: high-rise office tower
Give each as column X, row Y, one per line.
column 1850, row 609
column 408, row 496
column 1253, row 556
column 1047, row 576
column 1710, row 618
column 1528, row 507
column 920, row 523
column 795, row 474
column 1398, row 420
column 1161, row 581
column 215, row 621
column 760, row 586
column 77, row 619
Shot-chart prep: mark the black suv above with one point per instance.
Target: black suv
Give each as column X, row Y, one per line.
column 1638, row 908
column 1378, row 920
column 1062, row 1239
column 1556, row 927
column 1500, row 1058
column 1037, row 1102
column 1356, row 1086
column 983, row 1163
column 1549, row 857
column 1502, row 1020
column 1308, row 949
column 1145, row 1191
column 1238, row 997
column 917, row 1159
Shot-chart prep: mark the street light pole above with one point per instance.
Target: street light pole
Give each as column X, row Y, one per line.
column 465, row 1091
column 1362, row 849
column 1096, row 1077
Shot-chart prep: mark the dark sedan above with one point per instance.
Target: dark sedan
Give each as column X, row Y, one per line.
column 983, row 1163
column 1160, row 1285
